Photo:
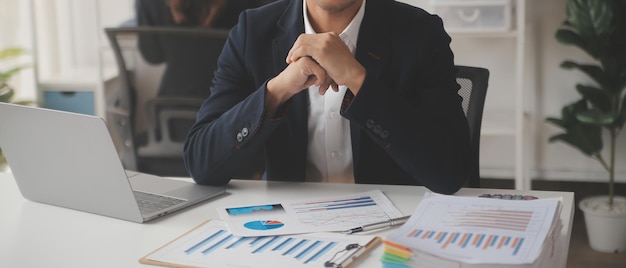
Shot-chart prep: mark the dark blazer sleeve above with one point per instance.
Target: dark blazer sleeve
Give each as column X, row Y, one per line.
column 231, row 129
column 413, row 111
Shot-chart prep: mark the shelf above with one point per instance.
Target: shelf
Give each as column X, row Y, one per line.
column 85, row 79
column 484, row 34
column 498, row 124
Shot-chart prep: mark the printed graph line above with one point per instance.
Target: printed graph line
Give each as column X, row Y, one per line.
column 324, row 250
column 333, row 201
column 497, row 219
column 204, row 242
column 308, row 250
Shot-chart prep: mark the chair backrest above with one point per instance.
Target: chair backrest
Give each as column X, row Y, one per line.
column 164, row 75
column 474, row 82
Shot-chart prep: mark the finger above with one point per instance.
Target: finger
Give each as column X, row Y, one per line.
column 324, row 86
column 322, row 90
column 335, row 86
column 296, row 45
column 312, row 68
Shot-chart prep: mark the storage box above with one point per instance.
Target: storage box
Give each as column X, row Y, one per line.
column 474, row 15
column 71, row 101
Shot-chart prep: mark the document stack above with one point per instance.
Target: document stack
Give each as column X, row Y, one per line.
column 452, row 231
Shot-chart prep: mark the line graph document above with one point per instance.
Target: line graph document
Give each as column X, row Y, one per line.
column 479, row 230
column 324, row 214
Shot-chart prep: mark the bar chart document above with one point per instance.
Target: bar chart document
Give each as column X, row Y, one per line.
column 212, row 245
column 479, row 230
column 324, row 214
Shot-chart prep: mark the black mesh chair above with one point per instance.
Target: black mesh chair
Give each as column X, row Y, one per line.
column 474, row 82
column 165, row 74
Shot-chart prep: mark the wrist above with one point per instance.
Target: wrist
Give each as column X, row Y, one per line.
column 357, row 80
column 274, row 97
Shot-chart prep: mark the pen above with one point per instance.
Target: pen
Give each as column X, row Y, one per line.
column 378, row 225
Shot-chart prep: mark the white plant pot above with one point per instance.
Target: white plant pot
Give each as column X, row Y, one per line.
column 606, row 228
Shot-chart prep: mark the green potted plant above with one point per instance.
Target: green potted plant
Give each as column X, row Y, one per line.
column 598, row 27
column 6, row 91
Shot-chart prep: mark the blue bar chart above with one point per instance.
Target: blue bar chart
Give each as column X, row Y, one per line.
column 213, row 245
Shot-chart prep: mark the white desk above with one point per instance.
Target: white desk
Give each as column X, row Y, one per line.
column 39, row 235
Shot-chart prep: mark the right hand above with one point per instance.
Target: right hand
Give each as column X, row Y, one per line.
column 298, row 75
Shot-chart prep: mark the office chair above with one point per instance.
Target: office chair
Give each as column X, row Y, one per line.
column 164, row 76
column 474, row 82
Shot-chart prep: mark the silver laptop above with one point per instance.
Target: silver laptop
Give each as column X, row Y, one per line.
column 69, row 160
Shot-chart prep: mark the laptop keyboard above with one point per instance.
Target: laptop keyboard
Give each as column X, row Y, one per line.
column 149, row 203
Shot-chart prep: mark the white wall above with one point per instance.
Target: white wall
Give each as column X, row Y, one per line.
column 15, row 31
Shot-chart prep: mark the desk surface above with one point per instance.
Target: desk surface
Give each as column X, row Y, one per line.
column 39, row 235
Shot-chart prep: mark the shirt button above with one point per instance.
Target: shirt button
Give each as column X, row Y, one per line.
column 333, row 114
column 244, row 131
column 239, row 137
column 333, row 154
column 370, row 123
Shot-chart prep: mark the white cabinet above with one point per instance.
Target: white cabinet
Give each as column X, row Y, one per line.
column 496, row 42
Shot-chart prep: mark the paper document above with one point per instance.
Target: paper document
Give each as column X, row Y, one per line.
column 479, row 230
column 212, row 245
column 327, row 214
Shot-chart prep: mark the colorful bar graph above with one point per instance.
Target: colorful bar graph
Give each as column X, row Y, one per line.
column 476, row 240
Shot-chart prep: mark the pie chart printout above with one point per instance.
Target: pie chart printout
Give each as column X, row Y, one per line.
column 263, row 225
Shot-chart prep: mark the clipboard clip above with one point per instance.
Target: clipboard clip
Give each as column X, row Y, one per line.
column 343, row 262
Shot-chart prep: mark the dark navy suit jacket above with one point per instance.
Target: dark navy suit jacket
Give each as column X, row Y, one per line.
column 407, row 124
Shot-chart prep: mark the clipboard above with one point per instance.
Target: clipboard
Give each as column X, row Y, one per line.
column 211, row 244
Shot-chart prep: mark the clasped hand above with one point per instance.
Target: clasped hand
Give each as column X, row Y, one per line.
column 317, row 59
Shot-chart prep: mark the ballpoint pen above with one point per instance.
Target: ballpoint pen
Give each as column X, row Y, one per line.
column 378, row 225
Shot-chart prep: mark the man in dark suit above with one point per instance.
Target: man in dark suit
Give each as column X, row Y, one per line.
column 359, row 91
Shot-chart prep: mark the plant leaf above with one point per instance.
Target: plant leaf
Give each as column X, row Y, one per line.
column 6, row 93
column 619, row 123
column 556, row 121
column 5, row 76
column 592, row 18
column 595, row 72
column 596, row 117
column 586, row 138
column 11, row 52
column 598, row 98
column 569, row 37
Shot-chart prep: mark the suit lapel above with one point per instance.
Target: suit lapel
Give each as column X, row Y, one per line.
column 297, row 117
column 372, row 52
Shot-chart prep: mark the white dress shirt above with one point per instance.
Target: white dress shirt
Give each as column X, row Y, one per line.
column 329, row 154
